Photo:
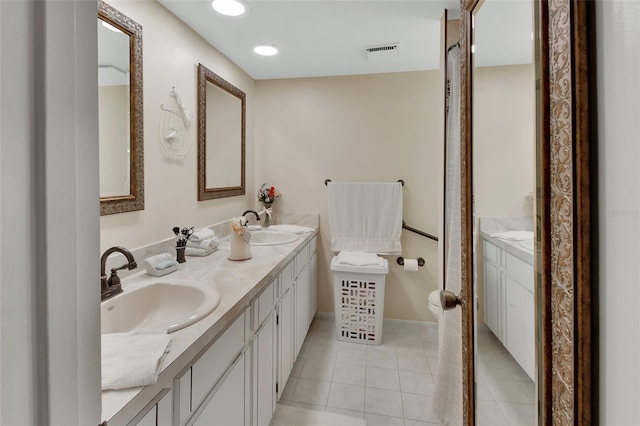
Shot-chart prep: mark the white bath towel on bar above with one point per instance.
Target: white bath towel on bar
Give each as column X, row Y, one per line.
column 365, row 217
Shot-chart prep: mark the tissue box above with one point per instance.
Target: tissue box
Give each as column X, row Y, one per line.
column 160, row 264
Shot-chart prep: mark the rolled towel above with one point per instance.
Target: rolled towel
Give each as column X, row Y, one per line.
column 211, row 242
column 133, row 359
column 193, row 251
column 296, row 229
column 202, row 234
column 359, row 259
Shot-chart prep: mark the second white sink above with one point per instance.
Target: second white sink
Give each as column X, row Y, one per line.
column 171, row 304
column 268, row 237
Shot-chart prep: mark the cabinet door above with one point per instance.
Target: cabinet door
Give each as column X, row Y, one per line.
column 313, row 287
column 264, row 377
column 227, row 406
column 301, row 309
column 150, row 418
column 284, row 339
column 520, row 341
column 491, row 306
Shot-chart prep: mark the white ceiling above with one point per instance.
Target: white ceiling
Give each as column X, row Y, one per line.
column 321, row 38
column 329, row 37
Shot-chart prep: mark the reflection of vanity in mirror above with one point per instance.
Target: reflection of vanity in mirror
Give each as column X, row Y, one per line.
column 503, row 135
column 221, row 137
column 120, row 112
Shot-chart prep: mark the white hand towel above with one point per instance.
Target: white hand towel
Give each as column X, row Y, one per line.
column 211, row 242
column 359, row 259
column 514, row 235
column 365, row 217
column 194, row 251
column 202, row 234
column 133, row 359
column 296, row 229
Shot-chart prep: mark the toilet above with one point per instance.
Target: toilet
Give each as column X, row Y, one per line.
column 434, row 304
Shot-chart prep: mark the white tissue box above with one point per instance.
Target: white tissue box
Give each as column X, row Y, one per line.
column 151, row 263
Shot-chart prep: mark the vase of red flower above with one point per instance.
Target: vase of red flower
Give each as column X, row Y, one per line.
column 267, row 195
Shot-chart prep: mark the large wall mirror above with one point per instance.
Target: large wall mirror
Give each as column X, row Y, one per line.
column 221, row 137
column 120, row 112
column 527, row 303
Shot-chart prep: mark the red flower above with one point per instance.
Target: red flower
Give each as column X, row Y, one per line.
column 272, row 192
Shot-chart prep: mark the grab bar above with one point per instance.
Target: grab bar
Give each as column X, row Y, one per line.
column 417, row 231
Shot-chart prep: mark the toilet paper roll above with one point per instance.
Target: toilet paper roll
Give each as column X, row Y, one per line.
column 411, row 265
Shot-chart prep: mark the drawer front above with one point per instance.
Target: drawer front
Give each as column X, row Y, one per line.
column 266, row 302
column 519, row 270
column 491, row 253
column 301, row 259
column 286, row 278
column 210, row 367
column 313, row 246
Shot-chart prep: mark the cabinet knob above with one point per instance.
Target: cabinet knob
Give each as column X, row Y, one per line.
column 448, row 300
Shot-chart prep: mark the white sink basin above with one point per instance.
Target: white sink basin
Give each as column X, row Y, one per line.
column 268, row 237
column 527, row 244
column 167, row 303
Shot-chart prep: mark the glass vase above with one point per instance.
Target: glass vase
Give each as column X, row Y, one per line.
column 268, row 215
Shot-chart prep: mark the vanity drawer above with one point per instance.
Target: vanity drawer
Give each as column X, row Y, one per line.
column 209, row 368
column 519, row 270
column 262, row 306
column 491, row 253
column 301, row 259
column 313, row 246
column 286, row 278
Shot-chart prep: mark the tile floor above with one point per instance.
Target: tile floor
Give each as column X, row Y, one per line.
column 392, row 384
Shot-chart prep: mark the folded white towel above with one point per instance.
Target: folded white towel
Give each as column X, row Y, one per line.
column 133, row 359
column 202, row 234
column 194, row 251
column 211, row 242
column 296, row 229
column 514, row 235
column 359, row 259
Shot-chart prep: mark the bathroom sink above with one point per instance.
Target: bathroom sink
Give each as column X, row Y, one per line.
column 268, row 237
column 171, row 304
column 527, row 244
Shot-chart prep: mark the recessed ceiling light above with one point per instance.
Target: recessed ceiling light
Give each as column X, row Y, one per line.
column 265, row 50
column 228, row 7
column 111, row 27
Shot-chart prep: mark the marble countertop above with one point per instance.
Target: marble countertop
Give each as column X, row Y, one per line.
column 490, row 226
column 237, row 281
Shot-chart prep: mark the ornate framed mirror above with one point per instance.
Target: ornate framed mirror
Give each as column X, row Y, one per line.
column 563, row 223
column 221, row 137
column 120, row 112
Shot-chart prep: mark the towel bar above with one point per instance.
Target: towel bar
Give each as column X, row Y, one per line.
column 424, row 234
column 326, row 181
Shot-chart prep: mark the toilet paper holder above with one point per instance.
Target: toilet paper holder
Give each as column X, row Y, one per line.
column 400, row 261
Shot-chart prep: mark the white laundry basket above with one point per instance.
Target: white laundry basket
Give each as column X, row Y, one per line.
column 359, row 301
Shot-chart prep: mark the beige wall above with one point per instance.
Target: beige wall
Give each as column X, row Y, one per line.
column 171, row 53
column 381, row 127
column 503, row 140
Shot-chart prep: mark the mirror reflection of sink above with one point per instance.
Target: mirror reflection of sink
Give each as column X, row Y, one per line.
column 167, row 303
column 268, row 237
column 527, row 244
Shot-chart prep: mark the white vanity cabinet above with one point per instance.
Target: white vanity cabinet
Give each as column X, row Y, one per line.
column 238, row 378
column 509, row 303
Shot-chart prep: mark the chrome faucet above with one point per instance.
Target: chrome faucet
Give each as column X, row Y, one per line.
column 111, row 286
column 254, row 212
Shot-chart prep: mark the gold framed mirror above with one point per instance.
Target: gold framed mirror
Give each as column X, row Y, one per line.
column 564, row 283
column 120, row 112
column 221, row 137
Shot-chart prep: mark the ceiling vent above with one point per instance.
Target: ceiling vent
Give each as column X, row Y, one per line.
column 383, row 52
